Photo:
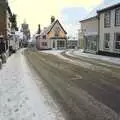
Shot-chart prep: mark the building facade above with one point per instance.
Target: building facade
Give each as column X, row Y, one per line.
column 52, row 37
column 5, row 23
column 89, row 34
column 101, row 33
column 26, row 33
column 109, row 26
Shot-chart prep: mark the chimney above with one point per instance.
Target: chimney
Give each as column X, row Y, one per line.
column 39, row 29
column 52, row 19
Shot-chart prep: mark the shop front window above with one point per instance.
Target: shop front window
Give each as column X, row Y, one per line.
column 91, row 43
column 117, row 41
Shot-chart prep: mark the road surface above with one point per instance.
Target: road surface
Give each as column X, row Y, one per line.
column 84, row 90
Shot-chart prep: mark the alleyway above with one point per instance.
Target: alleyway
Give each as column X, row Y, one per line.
column 20, row 97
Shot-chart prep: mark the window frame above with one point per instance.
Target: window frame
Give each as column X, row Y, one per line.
column 60, row 44
column 106, row 25
column 106, row 40
column 115, row 37
column 44, row 37
column 117, row 9
column 44, row 44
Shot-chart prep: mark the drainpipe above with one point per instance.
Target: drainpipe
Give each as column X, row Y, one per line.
column 98, row 33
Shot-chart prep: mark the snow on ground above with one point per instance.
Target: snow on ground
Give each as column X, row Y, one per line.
column 84, row 64
column 56, row 53
column 20, row 97
column 98, row 57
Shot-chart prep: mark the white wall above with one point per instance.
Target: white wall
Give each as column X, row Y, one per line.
column 90, row 26
column 110, row 30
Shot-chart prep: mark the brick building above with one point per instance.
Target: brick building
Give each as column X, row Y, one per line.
column 5, row 24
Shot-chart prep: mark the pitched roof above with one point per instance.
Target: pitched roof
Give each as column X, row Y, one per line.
column 49, row 28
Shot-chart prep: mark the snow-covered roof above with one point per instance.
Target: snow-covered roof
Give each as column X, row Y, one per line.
column 104, row 5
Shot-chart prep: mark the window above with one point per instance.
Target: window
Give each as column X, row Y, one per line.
column 91, row 42
column 60, row 44
column 117, row 17
column 44, row 43
column 117, row 40
column 106, row 39
column 57, row 31
column 107, row 20
column 44, row 36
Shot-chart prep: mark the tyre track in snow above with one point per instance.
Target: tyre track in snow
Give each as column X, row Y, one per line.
column 84, row 94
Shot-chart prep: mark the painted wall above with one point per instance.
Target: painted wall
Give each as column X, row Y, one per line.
column 90, row 26
column 113, row 29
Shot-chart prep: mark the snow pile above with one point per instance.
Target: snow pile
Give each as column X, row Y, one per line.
column 98, row 57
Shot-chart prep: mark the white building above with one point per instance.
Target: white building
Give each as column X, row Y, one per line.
column 89, row 28
column 101, row 32
column 52, row 37
column 109, row 29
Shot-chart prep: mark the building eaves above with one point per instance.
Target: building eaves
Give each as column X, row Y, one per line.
column 109, row 8
column 91, row 18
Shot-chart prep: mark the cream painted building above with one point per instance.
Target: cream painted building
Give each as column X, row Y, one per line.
column 52, row 37
column 103, row 31
column 89, row 33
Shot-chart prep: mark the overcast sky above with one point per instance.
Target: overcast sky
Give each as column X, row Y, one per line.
column 69, row 12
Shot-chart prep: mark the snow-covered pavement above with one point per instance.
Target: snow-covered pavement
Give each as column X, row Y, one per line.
column 20, row 97
column 79, row 53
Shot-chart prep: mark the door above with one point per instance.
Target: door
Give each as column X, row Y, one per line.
column 53, row 44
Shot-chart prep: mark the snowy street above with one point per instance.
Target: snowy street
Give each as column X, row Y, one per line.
column 85, row 90
column 48, row 85
column 80, row 54
column 20, row 97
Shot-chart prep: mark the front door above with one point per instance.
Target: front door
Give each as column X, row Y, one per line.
column 53, row 44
